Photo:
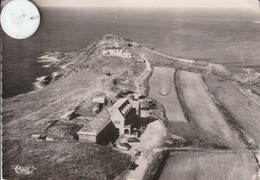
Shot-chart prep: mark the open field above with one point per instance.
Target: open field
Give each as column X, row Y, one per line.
column 90, row 75
column 162, row 89
column 203, row 113
column 63, row 160
column 156, row 59
column 27, row 114
column 243, row 110
column 160, row 59
column 222, row 165
column 214, row 148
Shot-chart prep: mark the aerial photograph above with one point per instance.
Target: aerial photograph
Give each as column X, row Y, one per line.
column 133, row 90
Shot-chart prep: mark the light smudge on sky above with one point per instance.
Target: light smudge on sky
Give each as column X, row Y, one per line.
column 242, row 4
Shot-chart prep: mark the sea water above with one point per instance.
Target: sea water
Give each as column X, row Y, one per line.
column 227, row 37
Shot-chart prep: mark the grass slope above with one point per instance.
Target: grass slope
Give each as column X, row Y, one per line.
column 243, row 110
column 209, row 166
column 87, row 75
column 203, row 113
column 162, row 89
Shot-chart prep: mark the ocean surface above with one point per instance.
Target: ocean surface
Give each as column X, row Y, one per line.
column 228, row 37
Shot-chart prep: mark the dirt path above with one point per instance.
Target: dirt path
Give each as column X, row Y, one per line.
column 163, row 89
column 151, row 139
column 139, row 82
column 170, row 57
column 251, row 98
column 203, row 113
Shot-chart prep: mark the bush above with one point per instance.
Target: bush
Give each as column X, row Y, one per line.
column 154, row 170
column 115, row 82
column 122, row 94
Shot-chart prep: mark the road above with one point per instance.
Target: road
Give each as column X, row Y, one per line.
column 139, row 82
column 151, row 139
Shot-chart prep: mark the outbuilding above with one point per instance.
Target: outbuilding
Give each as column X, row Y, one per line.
column 99, row 99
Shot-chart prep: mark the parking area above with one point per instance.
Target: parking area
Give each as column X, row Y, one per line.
column 142, row 152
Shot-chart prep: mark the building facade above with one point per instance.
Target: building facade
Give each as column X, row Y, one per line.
column 117, row 52
column 99, row 130
column 125, row 115
column 107, row 132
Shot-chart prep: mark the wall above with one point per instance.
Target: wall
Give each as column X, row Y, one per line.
column 89, row 138
column 109, row 134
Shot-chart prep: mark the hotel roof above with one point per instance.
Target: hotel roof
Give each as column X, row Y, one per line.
column 96, row 125
column 114, row 47
column 135, row 104
column 119, row 102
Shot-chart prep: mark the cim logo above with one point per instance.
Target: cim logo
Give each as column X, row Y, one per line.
column 23, row 170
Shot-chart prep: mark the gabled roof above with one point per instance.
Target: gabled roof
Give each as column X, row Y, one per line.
column 113, row 47
column 120, row 102
column 64, row 116
column 135, row 104
column 121, row 107
column 104, row 114
column 99, row 99
column 116, row 115
column 96, row 125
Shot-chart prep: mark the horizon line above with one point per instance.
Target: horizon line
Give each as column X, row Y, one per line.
column 202, row 4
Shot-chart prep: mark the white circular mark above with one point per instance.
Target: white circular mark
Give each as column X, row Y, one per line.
column 20, row 19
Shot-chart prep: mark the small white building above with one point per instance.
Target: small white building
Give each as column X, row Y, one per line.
column 99, row 100
column 98, row 104
column 116, row 51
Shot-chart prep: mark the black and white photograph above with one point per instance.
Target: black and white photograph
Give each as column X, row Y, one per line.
column 130, row 89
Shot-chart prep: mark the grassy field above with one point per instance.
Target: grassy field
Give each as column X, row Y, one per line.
column 157, row 59
column 215, row 165
column 162, row 89
column 191, row 114
column 243, row 110
column 91, row 75
column 203, row 113
column 62, row 160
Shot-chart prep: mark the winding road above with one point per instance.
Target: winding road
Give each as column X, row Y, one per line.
column 139, row 82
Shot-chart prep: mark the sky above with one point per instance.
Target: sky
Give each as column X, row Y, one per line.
column 241, row 4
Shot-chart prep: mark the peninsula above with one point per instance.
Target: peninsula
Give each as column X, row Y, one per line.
column 118, row 110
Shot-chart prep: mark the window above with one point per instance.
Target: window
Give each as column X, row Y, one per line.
column 116, row 122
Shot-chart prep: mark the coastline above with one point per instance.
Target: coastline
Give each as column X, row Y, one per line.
column 90, row 72
column 49, row 61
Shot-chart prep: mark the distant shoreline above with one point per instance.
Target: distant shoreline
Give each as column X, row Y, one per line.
column 41, row 82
